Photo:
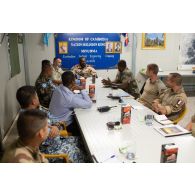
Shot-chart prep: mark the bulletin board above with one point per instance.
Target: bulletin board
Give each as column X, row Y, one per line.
column 101, row 50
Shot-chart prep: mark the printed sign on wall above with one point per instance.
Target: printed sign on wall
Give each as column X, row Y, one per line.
column 101, row 50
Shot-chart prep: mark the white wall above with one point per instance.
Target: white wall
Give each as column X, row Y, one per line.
column 36, row 52
column 167, row 59
column 8, row 103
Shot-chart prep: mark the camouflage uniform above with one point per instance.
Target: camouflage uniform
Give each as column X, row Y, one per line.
column 174, row 102
column 87, row 71
column 70, row 145
column 152, row 90
column 44, row 87
column 18, row 152
column 127, row 77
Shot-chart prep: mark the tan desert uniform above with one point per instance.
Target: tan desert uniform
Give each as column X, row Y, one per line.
column 152, row 90
column 57, row 73
column 84, row 72
column 127, row 77
column 174, row 102
column 19, row 153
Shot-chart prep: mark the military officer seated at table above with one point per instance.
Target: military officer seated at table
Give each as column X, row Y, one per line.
column 54, row 144
column 64, row 101
column 57, row 71
column 153, row 87
column 44, row 85
column 124, row 80
column 83, row 70
column 32, row 129
column 173, row 100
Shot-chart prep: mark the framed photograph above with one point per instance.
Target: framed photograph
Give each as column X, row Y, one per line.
column 63, row 47
column 109, row 47
column 117, row 47
column 153, row 40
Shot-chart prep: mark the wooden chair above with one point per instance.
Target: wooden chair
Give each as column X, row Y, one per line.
column 63, row 156
column 181, row 116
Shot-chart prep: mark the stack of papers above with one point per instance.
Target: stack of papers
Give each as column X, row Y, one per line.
column 162, row 119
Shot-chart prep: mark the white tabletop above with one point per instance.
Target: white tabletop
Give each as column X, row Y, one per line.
column 146, row 141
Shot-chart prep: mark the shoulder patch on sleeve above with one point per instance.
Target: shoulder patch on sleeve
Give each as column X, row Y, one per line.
column 179, row 102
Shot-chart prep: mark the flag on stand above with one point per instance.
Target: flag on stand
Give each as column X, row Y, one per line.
column 126, row 39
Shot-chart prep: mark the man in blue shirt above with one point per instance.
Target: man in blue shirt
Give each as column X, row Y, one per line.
column 64, row 101
column 54, row 144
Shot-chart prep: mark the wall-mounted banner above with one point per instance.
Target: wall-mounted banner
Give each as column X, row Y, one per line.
column 101, row 50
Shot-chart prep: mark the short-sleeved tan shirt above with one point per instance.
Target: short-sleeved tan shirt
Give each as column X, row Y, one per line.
column 174, row 102
column 18, row 152
column 57, row 73
column 152, row 91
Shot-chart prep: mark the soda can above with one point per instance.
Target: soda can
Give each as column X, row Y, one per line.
column 125, row 114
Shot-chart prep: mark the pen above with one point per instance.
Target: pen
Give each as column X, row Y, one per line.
column 109, row 158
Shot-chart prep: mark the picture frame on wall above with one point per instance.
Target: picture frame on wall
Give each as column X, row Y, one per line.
column 109, row 47
column 117, row 47
column 153, row 41
column 63, row 47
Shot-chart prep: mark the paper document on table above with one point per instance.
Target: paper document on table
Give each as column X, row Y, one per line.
column 162, row 119
column 172, row 130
